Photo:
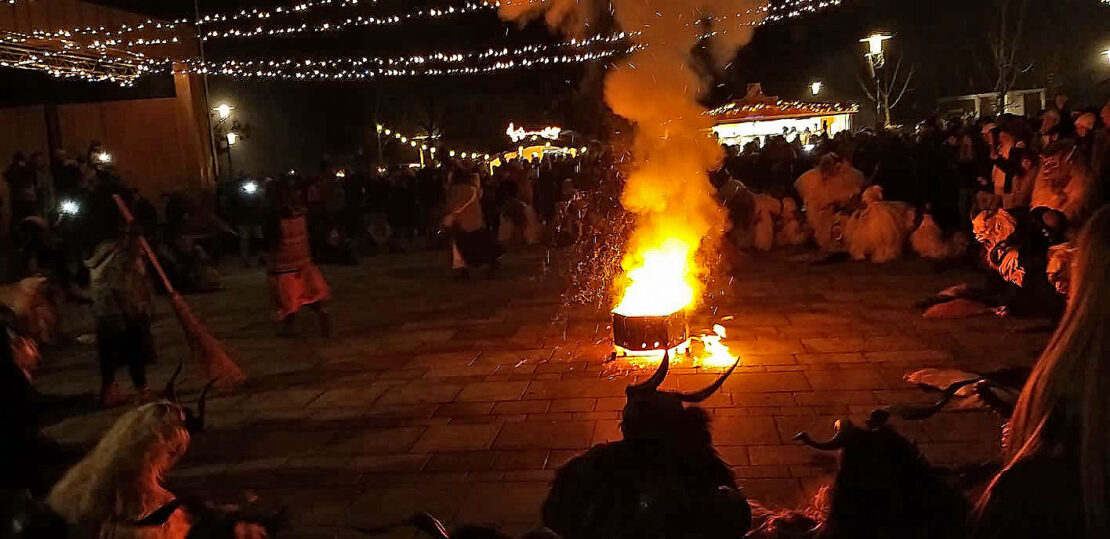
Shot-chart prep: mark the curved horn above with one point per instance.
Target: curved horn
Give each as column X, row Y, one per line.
column 429, row 525
column 170, row 391
column 992, row 400
column 699, row 396
column 196, row 424
column 917, row 413
column 836, row 442
column 653, row 383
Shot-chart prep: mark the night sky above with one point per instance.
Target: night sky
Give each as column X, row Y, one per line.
column 946, row 40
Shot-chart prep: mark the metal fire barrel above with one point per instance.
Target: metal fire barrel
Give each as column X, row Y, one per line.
column 643, row 333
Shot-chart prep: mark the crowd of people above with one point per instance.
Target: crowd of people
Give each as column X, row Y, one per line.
column 1027, row 190
column 464, row 204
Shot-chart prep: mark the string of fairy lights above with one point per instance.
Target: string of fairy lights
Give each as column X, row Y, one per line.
column 67, row 60
column 356, row 69
column 428, row 144
column 256, row 22
column 438, row 63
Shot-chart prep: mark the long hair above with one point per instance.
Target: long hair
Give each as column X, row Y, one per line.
column 121, row 478
column 1065, row 399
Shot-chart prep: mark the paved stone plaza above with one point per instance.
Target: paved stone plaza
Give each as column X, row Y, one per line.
column 462, row 398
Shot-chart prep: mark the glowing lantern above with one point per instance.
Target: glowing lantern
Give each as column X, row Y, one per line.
column 224, row 111
column 875, row 43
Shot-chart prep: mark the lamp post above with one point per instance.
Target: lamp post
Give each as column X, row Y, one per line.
column 223, row 114
column 232, row 139
column 876, row 59
column 815, row 87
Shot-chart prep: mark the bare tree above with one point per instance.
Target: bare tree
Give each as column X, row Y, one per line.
column 433, row 116
column 1006, row 37
column 888, row 88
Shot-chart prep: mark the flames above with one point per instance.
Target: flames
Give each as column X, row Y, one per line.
column 663, row 280
column 660, row 280
column 657, row 89
column 710, row 350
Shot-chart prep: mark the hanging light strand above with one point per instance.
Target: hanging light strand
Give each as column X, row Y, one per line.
column 69, row 61
column 603, row 44
column 361, row 69
column 429, row 144
column 256, row 23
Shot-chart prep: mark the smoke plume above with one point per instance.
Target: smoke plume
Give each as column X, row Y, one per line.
column 657, row 89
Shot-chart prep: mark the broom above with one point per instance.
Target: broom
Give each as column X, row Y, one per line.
column 211, row 354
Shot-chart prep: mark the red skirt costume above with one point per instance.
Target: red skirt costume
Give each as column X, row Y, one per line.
column 294, row 279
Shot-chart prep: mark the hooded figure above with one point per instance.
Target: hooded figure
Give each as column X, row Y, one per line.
column 824, row 190
column 878, row 231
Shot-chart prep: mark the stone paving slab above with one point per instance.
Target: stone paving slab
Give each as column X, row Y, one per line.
column 463, row 398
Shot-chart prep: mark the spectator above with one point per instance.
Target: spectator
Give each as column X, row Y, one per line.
column 23, row 192
column 1056, row 479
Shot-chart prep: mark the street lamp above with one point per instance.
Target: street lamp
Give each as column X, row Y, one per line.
column 1106, row 53
column 232, row 138
column 815, row 87
column 875, row 47
column 875, row 61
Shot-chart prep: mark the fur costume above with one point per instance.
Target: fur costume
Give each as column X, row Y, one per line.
column 121, row 478
column 792, row 231
column 822, row 194
column 1060, row 259
column 766, row 208
column 1016, row 246
column 996, row 231
column 878, row 231
column 928, row 240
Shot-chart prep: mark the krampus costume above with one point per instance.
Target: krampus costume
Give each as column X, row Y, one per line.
column 120, row 480
column 878, row 231
column 1016, row 246
column 663, row 480
column 824, row 191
